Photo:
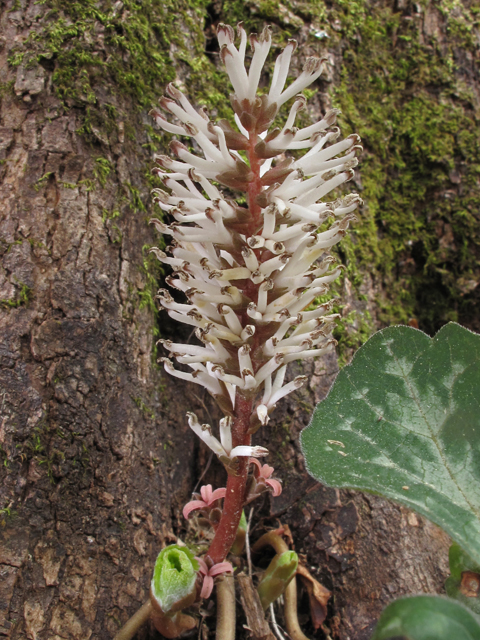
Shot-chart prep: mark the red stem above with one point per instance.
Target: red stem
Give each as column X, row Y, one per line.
column 235, row 497
column 226, row 531
column 255, row 186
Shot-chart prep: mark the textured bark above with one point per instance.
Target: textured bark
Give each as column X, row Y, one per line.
column 254, row 613
column 98, row 459
column 92, row 480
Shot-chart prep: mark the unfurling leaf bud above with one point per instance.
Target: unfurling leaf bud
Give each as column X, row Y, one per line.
column 277, row 576
column 173, row 584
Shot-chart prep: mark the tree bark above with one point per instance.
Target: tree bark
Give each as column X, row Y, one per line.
column 97, row 456
column 92, row 477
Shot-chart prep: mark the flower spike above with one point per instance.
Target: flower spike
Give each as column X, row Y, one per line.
column 248, row 271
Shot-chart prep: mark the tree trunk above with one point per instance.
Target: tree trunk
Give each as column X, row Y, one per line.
column 92, row 476
column 97, row 456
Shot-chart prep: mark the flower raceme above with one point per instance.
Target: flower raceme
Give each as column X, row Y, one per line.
column 251, row 273
column 249, row 270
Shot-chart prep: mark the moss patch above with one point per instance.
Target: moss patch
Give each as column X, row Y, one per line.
column 405, row 94
column 100, row 52
column 22, row 297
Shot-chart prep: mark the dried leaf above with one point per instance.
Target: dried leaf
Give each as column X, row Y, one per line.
column 318, row 596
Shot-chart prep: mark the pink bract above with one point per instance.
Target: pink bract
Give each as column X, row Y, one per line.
column 209, row 574
column 209, row 497
column 263, row 473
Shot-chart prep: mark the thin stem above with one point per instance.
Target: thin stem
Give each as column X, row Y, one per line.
column 138, row 619
column 274, row 540
column 255, row 186
column 247, row 543
column 290, row 612
column 225, row 608
column 275, row 626
column 235, row 497
column 290, row 594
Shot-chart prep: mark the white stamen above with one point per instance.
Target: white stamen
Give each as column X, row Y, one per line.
column 251, row 261
column 262, row 413
column 288, row 388
column 226, row 433
column 244, row 360
column 252, row 452
column 248, row 332
column 268, row 368
column 231, row 319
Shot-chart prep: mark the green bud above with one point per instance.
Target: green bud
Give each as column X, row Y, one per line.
column 239, row 544
column 173, row 585
column 277, row 576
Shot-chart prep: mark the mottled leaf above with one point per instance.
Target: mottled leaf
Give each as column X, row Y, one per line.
column 464, row 582
column 427, row 618
column 403, row 421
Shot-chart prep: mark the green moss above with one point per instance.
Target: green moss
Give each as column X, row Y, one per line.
column 102, row 170
column 110, row 215
column 136, row 203
column 7, row 88
column 144, row 408
column 102, row 53
column 7, row 514
column 22, row 298
column 41, row 182
column 351, row 332
column 15, row 59
column 418, row 126
column 5, row 461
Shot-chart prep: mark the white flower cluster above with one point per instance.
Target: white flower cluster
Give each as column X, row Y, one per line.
column 250, row 273
column 224, row 448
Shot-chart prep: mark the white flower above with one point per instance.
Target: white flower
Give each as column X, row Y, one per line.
column 223, row 449
column 251, row 274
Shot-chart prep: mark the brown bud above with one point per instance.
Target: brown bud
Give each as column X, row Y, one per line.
column 262, row 150
column 312, row 64
column 173, row 92
column 191, row 129
column 227, row 31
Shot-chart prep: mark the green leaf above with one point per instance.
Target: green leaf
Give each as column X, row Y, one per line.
column 427, row 618
column 464, row 582
column 174, row 577
column 239, row 544
column 279, row 573
column 403, row 421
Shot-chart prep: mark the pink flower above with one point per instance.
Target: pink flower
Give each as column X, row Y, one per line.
column 263, row 476
column 209, row 574
column 209, row 497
